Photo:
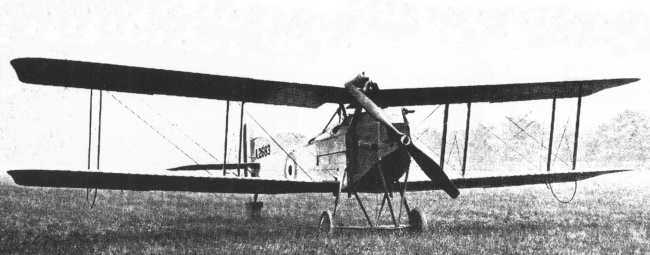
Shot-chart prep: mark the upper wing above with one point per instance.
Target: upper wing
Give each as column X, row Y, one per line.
column 494, row 93
column 78, row 74
column 68, row 73
column 512, row 180
column 144, row 182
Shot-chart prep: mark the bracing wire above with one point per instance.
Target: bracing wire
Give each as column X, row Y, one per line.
column 559, row 145
column 278, row 144
column 175, row 125
column 575, row 183
column 529, row 135
column 429, row 115
column 575, row 190
column 460, row 161
column 153, row 128
column 454, row 145
column 423, row 120
column 506, row 144
column 575, row 187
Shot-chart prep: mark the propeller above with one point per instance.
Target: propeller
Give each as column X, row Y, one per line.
column 430, row 167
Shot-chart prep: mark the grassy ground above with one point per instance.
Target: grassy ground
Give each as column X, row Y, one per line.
column 609, row 215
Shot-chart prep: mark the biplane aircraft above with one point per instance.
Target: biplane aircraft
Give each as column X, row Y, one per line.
column 361, row 150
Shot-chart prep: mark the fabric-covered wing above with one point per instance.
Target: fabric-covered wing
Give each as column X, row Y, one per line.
column 145, row 182
column 68, row 73
column 494, row 93
column 512, row 180
column 78, row 74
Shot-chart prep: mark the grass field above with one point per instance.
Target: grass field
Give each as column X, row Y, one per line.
column 608, row 215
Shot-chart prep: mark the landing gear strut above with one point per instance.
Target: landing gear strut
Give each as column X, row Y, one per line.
column 417, row 221
column 326, row 223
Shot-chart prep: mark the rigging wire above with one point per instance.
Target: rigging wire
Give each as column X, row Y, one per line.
column 278, row 144
column 559, row 145
column 330, row 121
column 506, row 144
column 152, row 128
column 523, row 118
column 417, row 137
column 175, row 125
column 422, row 121
column 575, row 183
column 460, row 161
column 429, row 115
column 575, row 190
column 529, row 135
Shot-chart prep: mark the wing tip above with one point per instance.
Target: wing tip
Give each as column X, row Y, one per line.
column 628, row 80
column 19, row 65
column 18, row 62
column 17, row 177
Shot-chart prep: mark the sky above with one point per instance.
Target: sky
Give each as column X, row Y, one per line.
column 398, row 44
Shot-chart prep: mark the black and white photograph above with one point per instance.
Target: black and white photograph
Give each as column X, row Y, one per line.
column 324, row 127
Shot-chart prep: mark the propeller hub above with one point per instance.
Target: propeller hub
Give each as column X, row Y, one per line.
column 438, row 177
column 405, row 140
column 359, row 81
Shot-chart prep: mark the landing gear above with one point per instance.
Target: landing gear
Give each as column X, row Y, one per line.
column 326, row 223
column 417, row 220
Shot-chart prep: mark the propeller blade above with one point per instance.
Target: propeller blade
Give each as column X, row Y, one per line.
column 368, row 104
column 433, row 170
column 430, row 167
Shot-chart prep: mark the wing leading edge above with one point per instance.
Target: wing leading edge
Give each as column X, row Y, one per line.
column 513, row 180
column 146, row 182
column 496, row 93
column 140, row 80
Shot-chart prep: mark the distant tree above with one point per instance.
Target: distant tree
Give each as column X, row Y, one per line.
column 291, row 140
column 485, row 149
column 626, row 137
column 522, row 136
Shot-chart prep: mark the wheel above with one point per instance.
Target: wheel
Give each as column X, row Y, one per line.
column 326, row 223
column 417, row 220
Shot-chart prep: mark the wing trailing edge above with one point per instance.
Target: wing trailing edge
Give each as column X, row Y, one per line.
column 514, row 180
column 140, row 80
column 496, row 93
column 147, row 182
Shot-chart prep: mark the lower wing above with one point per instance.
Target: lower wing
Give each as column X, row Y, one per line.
column 513, row 180
column 147, row 182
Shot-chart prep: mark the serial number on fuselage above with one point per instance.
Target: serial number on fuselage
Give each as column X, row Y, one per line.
column 262, row 151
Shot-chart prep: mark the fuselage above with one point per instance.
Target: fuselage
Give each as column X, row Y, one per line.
column 354, row 149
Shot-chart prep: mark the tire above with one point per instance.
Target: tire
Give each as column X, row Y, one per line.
column 417, row 221
column 326, row 223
